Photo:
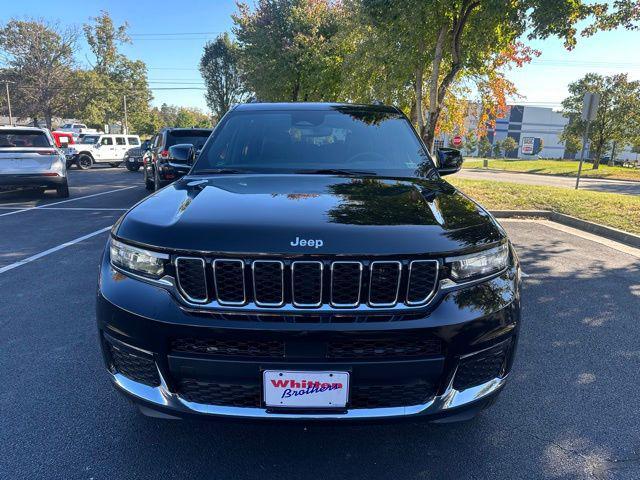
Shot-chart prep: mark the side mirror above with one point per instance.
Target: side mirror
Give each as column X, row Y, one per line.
column 182, row 153
column 449, row 161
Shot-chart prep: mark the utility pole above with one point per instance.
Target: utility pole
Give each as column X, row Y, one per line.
column 126, row 123
column 589, row 111
column 6, row 84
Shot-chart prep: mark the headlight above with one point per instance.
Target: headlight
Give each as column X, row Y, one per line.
column 137, row 260
column 479, row 264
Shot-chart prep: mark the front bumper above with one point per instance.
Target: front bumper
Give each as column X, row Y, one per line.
column 471, row 323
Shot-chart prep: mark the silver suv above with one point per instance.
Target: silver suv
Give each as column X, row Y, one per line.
column 29, row 158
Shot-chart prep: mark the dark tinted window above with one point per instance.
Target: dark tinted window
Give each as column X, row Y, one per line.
column 120, row 141
column 197, row 138
column 133, row 141
column 348, row 138
column 23, row 138
column 107, row 141
column 89, row 139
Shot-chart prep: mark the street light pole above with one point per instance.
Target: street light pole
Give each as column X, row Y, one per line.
column 126, row 123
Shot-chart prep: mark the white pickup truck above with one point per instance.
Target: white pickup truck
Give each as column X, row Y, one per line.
column 100, row 148
column 76, row 129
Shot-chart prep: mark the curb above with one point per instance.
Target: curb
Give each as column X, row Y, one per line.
column 620, row 236
column 497, row 170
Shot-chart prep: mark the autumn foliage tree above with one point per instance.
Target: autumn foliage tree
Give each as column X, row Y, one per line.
column 444, row 40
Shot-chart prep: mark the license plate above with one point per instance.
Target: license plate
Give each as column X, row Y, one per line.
column 132, row 160
column 305, row 389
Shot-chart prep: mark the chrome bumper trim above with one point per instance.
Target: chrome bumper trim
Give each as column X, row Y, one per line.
column 162, row 397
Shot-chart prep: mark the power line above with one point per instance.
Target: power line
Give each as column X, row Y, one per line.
column 153, row 34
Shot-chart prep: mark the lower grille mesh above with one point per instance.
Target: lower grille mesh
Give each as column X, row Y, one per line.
column 230, row 348
column 219, row 393
column 379, row 396
column 362, row 396
column 134, row 365
column 384, row 348
column 480, row 368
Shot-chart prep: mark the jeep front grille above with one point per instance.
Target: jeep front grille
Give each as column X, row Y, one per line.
column 306, row 284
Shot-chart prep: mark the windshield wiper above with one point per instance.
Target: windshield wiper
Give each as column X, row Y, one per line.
column 335, row 171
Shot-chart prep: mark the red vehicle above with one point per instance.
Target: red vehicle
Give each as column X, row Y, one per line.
column 62, row 139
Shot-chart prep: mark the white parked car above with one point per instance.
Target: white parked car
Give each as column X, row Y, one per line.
column 100, row 148
column 29, row 158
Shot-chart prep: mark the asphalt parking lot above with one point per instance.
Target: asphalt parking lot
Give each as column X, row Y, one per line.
column 570, row 410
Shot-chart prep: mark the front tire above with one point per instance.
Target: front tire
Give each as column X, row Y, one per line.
column 84, row 162
column 63, row 190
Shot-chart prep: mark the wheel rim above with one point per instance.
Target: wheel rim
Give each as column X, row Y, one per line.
column 85, row 162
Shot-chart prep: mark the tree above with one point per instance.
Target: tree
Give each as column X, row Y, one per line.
column 509, row 144
column 191, row 117
column 618, row 118
column 222, row 77
column 288, row 49
column 39, row 61
column 484, row 147
column 449, row 38
column 572, row 143
column 104, row 38
column 497, row 148
column 100, row 92
column 471, row 143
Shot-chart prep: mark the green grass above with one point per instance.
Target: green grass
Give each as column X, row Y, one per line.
column 556, row 167
column 611, row 209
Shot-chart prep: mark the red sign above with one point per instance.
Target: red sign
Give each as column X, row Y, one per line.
column 456, row 141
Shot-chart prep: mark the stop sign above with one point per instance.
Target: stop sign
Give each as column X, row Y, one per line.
column 456, row 141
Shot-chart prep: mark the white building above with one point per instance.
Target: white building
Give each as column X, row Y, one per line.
column 525, row 122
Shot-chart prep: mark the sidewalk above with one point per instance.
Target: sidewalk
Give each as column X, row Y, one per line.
column 627, row 187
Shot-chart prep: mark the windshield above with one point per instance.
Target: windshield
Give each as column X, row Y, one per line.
column 358, row 139
column 197, row 138
column 24, row 138
column 90, row 139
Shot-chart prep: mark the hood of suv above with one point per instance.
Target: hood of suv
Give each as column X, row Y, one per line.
column 309, row 214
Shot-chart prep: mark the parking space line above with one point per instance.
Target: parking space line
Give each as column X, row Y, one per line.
column 73, row 208
column 65, row 201
column 52, row 250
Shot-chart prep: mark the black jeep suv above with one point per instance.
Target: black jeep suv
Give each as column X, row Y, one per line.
column 159, row 167
column 312, row 265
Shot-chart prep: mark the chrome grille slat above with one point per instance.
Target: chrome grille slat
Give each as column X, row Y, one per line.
column 234, row 290
column 423, row 277
column 303, row 284
column 383, row 275
column 193, row 289
column 306, row 285
column 267, row 285
column 338, row 284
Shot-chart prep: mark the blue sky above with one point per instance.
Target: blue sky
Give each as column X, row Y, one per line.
column 172, row 59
